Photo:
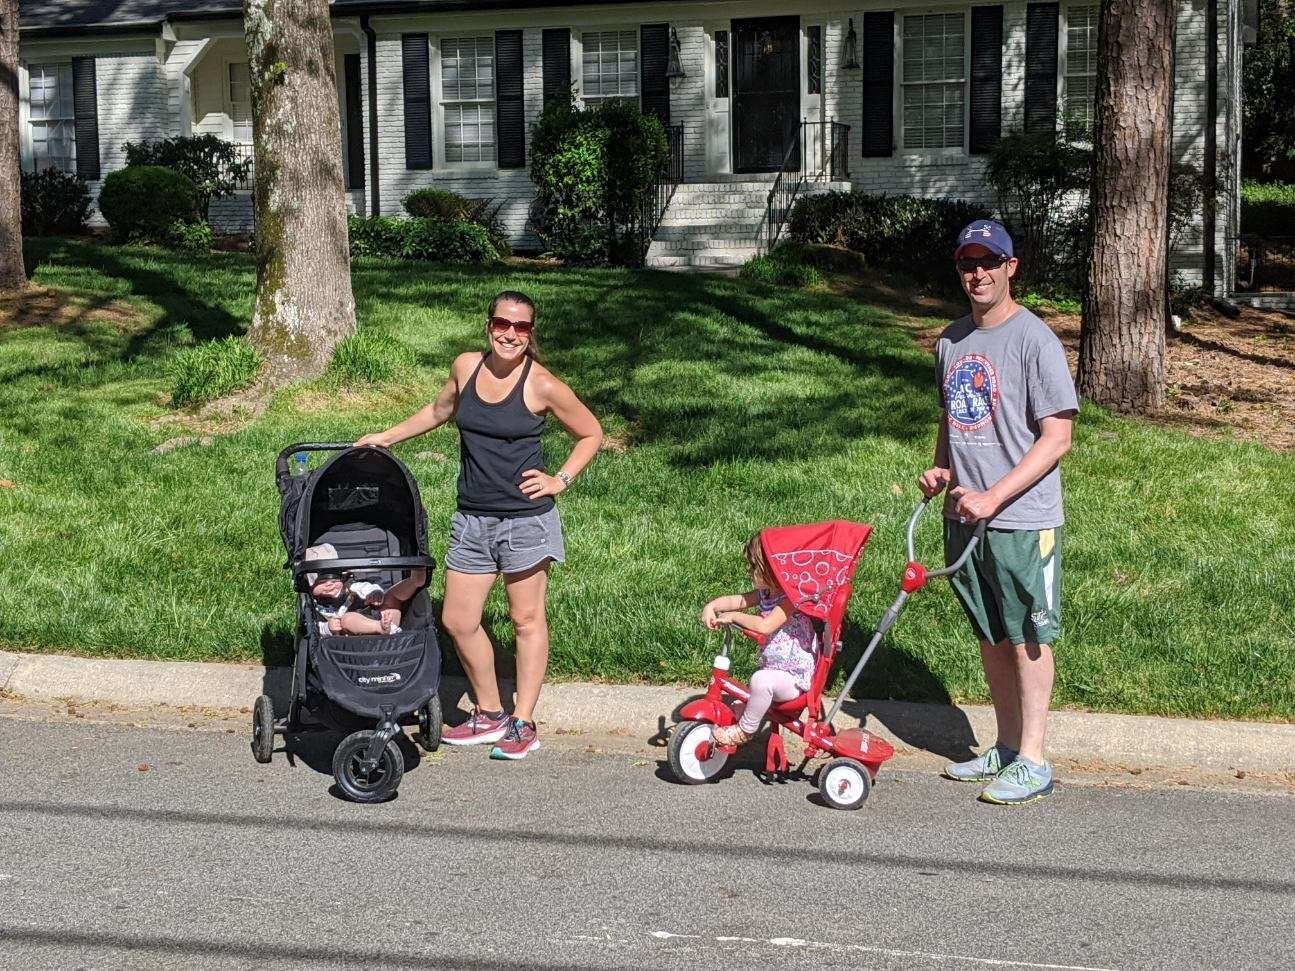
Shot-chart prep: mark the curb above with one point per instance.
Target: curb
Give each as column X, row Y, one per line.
column 644, row 711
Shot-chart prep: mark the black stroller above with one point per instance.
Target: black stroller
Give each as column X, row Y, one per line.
column 364, row 502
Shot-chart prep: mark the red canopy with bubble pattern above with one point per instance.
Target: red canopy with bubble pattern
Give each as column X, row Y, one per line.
column 814, row 565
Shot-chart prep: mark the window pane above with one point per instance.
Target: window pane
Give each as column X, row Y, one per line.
column 609, row 64
column 934, row 69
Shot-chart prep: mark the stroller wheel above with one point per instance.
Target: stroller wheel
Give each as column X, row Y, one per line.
column 374, row 785
column 263, row 729
column 430, row 723
column 692, row 753
column 844, row 784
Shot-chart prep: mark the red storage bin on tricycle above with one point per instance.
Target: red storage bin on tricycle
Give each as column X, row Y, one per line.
column 814, row 566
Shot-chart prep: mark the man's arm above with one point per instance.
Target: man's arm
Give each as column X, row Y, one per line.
column 1054, row 442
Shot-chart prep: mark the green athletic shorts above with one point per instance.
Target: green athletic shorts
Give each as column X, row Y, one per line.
column 1011, row 586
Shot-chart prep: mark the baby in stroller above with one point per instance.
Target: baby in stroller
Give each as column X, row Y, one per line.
column 788, row 645
column 357, row 606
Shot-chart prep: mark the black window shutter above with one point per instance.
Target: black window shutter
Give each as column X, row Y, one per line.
column 1041, row 67
column 654, row 58
column 414, row 56
column 85, row 107
column 879, row 83
column 557, row 64
column 510, row 113
column 354, row 123
column 986, row 123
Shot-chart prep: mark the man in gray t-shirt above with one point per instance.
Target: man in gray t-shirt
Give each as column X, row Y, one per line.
column 1009, row 406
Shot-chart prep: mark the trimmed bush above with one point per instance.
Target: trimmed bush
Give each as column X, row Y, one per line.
column 434, row 240
column 594, row 170
column 1268, row 208
column 211, row 162
column 369, row 357
column 141, row 202
column 437, row 204
column 895, row 232
column 53, row 202
column 212, row 369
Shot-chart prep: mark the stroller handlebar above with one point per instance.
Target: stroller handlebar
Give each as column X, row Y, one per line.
column 957, row 565
column 301, row 567
column 281, row 464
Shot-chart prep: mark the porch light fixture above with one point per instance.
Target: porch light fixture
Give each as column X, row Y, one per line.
column 674, row 69
column 851, row 48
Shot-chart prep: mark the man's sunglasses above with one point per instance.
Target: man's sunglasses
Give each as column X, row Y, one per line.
column 501, row 325
column 969, row 264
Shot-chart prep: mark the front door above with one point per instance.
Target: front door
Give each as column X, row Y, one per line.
column 766, row 92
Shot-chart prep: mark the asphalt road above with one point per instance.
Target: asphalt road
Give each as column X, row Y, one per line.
column 147, row 848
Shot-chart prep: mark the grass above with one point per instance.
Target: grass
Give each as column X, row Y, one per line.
column 1268, row 208
column 211, row 370
column 732, row 405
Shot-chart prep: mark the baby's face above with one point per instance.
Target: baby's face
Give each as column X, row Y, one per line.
column 328, row 587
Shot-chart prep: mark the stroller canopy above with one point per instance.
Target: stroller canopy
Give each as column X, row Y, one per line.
column 814, row 565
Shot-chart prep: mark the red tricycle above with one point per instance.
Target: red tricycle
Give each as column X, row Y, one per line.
column 814, row 566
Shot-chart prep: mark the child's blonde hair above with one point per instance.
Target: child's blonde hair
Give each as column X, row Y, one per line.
column 758, row 563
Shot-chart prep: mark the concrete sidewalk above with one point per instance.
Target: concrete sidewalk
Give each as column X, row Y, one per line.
column 642, row 711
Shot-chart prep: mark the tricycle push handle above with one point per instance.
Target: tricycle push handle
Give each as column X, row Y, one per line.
column 957, row 565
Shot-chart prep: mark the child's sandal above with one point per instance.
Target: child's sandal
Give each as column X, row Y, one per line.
column 731, row 736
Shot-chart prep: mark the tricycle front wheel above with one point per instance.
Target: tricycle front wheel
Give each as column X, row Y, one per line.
column 844, row 784
column 692, row 753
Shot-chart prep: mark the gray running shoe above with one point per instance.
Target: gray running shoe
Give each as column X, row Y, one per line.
column 983, row 767
column 1022, row 781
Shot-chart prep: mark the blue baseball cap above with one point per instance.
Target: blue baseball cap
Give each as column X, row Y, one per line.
column 988, row 234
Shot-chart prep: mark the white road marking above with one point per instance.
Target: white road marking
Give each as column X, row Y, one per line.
column 888, row 951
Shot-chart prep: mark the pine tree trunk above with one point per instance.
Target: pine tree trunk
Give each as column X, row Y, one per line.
column 1122, row 348
column 304, row 305
column 12, row 274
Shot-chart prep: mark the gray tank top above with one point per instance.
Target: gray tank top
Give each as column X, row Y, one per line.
column 497, row 443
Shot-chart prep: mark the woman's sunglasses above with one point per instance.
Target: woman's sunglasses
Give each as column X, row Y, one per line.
column 969, row 264
column 501, row 325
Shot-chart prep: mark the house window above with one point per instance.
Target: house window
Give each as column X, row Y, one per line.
column 815, row 59
column 52, row 119
column 468, row 98
column 721, row 64
column 934, row 80
column 239, row 83
column 1081, row 72
column 610, row 64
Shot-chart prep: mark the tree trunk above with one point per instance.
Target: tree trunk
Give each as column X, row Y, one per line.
column 12, row 274
column 304, row 305
column 1122, row 347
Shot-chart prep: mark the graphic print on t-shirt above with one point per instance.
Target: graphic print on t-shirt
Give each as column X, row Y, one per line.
column 970, row 392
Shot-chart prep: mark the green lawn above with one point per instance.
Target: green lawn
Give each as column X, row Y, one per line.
column 738, row 407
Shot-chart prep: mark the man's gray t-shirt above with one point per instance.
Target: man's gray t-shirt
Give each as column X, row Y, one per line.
column 996, row 383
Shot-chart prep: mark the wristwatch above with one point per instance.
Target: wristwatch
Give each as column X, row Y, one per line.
column 566, row 479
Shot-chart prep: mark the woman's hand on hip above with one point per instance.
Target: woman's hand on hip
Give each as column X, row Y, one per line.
column 536, row 485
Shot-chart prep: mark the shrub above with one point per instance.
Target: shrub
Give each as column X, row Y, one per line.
column 53, row 202
column 1268, row 208
column 210, row 162
column 141, row 202
column 594, row 171
column 368, row 357
column 1041, row 183
column 433, row 203
column 190, row 237
column 212, row 369
column 783, row 267
column 894, row 232
column 434, row 240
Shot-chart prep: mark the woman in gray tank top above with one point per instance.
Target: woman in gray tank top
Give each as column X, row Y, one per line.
column 507, row 523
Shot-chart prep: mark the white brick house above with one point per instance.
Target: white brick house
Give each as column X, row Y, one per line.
column 438, row 92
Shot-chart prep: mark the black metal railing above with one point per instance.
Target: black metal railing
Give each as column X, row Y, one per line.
column 663, row 187
column 1264, row 263
column 243, row 153
column 819, row 153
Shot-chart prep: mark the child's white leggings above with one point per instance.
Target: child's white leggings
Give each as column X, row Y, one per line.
column 767, row 686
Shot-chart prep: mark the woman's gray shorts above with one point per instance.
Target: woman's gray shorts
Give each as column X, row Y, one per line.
column 488, row 544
